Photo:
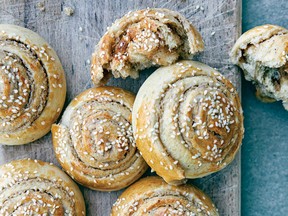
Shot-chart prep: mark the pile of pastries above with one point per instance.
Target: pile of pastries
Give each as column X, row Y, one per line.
column 185, row 122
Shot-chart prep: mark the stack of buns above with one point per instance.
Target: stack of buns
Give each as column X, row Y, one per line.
column 185, row 122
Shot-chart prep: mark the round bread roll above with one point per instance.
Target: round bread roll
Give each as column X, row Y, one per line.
column 94, row 142
column 142, row 39
column 187, row 121
column 152, row 196
column 32, row 86
column 262, row 53
column 31, row 187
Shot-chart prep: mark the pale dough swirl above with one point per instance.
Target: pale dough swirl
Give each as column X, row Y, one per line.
column 32, row 86
column 33, row 187
column 187, row 121
column 94, row 142
column 152, row 196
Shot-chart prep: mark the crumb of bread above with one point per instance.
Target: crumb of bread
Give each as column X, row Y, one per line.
column 69, row 11
column 41, row 6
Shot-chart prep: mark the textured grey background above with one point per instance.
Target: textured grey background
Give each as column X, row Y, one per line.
column 265, row 146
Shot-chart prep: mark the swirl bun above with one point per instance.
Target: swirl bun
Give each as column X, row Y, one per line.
column 152, row 196
column 262, row 53
column 35, row 187
column 187, row 121
column 94, row 142
column 32, row 86
column 142, row 39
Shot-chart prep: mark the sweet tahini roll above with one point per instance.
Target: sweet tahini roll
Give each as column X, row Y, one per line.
column 29, row 187
column 153, row 196
column 32, row 86
column 187, row 121
column 262, row 54
column 142, row 39
column 94, row 142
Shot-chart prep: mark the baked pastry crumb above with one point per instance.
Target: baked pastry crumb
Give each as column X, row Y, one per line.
column 69, row 11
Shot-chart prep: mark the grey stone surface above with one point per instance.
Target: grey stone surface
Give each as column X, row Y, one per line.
column 265, row 146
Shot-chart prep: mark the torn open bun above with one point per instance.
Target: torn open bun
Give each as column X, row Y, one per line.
column 262, row 53
column 142, row 39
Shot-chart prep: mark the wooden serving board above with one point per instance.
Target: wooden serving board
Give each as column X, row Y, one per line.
column 74, row 37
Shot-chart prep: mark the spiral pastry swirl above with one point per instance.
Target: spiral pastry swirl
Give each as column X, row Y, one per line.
column 31, row 187
column 187, row 121
column 32, row 86
column 142, row 39
column 94, row 141
column 152, row 196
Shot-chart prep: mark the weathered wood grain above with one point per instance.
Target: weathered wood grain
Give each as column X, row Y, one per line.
column 74, row 37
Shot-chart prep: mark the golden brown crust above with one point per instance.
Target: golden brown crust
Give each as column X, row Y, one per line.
column 152, row 196
column 263, row 98
column 33, row 86
column 94, row 141
column 35, row 186
column 187, row 121
column 142, row 39
column 262, row 53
